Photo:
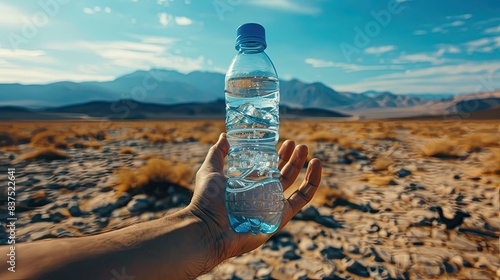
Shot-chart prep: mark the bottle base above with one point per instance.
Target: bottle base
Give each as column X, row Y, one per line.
column 242, row 224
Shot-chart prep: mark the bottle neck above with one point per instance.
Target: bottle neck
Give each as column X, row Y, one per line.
column 251, row 47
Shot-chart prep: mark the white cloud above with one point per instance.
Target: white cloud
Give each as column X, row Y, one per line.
column 457, row 23
column 136, row 55
column 419, row 57
column 319, row 63
column 420, row 32
column 379, row 50
column 448, row 49
column 183, row 21
column 286, row 5
column 490, row 20
column 97, row 9
column 107, row 10
column 492, row 30
column 88, row 11
column 166, row 41
column 487, row 44
column 11, row 15
column 465, row 16
column 33, row 75
column 460, row 78
column 164, row 18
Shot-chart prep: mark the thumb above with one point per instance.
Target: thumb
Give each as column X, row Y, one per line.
column 214, row 162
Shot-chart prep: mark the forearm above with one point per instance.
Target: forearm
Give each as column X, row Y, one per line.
column 170, row 248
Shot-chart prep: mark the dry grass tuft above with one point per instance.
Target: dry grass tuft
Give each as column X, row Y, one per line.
column 382, row 163
column 155, row 172
column 323, row 136
column 491, row 165
column 47, row 154
column 377, row 180
column 442, row 148
column 49, row 138
column 85, row 144
column 128, row 151
column 326, row 195
column 477, row 141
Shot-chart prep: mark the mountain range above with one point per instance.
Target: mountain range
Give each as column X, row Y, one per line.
column 167, row 87
column 171, row 87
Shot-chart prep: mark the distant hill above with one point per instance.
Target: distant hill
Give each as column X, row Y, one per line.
column 128, row 109
column 171, row 87
column 474, row 105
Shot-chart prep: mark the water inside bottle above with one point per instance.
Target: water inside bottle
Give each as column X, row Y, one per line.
column 254, row 195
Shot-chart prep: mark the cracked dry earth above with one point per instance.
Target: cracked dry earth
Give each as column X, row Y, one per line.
column 374, row 217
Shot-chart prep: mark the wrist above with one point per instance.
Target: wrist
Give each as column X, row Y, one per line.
column 211, row 239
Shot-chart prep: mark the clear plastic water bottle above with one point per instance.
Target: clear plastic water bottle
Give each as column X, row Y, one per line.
column 254, row 195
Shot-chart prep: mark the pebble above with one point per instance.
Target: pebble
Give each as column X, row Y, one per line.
column 332, row 253
column 264, row 273
column 403, row 173
column 138, row 204
column 355, row 268
column 74, row 209
column 123, row 199
column 290, row 255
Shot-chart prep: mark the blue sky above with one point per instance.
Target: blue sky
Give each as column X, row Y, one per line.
column 420, row 46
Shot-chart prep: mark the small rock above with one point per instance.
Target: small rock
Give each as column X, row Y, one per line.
column 432, row 271
column 306, row 244
column 12, row 156
column 72, row 186
column 54, row 186
column 403, row 173
column 332, row 253
column 139, row 204
column 102, row 221
column 264, row 273
column 57, row 217
column 356, row 268
column 37, row 199
column 308, row 214
column 38, row 217
column 62, row 232
column 456, row 177
column 74, row 209
column 328, row 222
column 123, row 199
column 290, row 255
column 161, row 204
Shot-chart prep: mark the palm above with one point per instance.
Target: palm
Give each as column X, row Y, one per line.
column 209, row 196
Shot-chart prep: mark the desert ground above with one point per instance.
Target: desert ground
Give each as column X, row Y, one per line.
column 376, row 214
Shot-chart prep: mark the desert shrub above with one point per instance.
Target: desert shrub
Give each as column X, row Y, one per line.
column 47, row 154
column 326, row 195
column 50, row 138
column 382, row 163
column 441, row 148
column 477, row 141
column 491, row 164
column 377, row 180
column 155, row 174
column 85, row 144
column 323, row 136
column 127, row 151
column 13, row 137
column 207, row 137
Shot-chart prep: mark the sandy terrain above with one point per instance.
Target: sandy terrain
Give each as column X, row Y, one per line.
column 376, row 214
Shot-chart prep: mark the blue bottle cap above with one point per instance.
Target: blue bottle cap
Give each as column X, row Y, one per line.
column 251, row 32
